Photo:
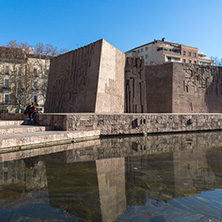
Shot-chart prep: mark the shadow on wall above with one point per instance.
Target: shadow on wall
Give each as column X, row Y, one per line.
column 213, row 94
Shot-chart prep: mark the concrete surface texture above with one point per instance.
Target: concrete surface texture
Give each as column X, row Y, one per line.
column 89, row 79
column 135, row 85
column 197, row 89
column 141, row 123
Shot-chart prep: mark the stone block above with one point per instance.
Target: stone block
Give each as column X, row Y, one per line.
column 89, row 79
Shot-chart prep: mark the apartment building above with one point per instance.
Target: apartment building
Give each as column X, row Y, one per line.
column 38, row 68
column 23, row 79
column 160, row 51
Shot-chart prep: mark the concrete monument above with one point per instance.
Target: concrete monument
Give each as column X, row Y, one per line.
column 99, row 79
column 89, row 79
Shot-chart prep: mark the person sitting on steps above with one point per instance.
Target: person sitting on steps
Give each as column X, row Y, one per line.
column 27, row 110
column 31, row 110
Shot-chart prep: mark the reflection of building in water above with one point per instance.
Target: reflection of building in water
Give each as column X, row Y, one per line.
column 159, row 167
column 192, row 173
column 149, row 175
column 111, row 182
column 29, row 173
column 171, row 175
column 19, row 177
column 74, row 188
column 92, row 191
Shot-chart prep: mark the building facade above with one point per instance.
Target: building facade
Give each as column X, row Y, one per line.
column 160, row 51
column 23, row 79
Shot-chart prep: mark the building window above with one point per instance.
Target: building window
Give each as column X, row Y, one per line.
column 195, row 54
column 147, row 56
column 141, row 57
column 184, row 61
column 189, row 53
column 184, row 52
column 169, row 59
column 7, row 70
column 142, row 50
column 19, row 70
column 46, row 83
column 35, row 71
column 189, row 61
column 146, row 48
column 6, row 83
column 195, row 62
column 36, row 84
column 6, row 98
column 5, row 164
column 19, row 84
column 138, row 50
column 5, row 176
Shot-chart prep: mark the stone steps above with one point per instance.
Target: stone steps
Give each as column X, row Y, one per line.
column 20, row 134
column 11, row 122
column 23, row 129
column 28, row 139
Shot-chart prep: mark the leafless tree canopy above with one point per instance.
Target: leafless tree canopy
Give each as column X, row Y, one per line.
column 39, row 48
column 217, row 61
column 29, row 68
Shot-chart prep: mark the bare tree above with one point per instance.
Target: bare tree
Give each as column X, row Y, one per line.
column 40, row 60
column 217, row 61
column 13, row 57
column 29, row 68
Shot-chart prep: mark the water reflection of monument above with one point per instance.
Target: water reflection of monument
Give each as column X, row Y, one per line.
column 92, row 191
column 88, row 183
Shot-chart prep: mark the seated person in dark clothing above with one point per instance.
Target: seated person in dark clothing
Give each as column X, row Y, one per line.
column 27, row 110
column 31, row 110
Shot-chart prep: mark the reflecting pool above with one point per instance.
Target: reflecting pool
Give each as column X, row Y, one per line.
column 174, row 177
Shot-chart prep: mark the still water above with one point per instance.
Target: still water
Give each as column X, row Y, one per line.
column 154, row 178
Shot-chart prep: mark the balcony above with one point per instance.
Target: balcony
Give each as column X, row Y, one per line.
column 170, row 51
column 6, row 87
column 201, row 54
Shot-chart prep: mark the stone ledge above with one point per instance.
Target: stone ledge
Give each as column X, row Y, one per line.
column 47, row 137
column 133, row 123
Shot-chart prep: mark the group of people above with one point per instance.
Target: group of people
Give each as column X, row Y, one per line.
column 31, row 110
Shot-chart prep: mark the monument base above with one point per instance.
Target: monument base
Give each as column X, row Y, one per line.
column 127, row 124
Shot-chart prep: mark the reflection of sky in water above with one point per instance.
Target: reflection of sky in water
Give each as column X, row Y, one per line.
column 36, row 209
column 157, row 178
column 202, row 207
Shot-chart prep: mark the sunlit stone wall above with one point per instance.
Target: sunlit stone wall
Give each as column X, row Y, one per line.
column 88, row 79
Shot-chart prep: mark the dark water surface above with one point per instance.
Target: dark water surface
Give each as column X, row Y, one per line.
column 154, row 178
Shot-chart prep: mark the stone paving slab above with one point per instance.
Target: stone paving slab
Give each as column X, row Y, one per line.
column 24, row 139
column 9, row 129
column 11, row 122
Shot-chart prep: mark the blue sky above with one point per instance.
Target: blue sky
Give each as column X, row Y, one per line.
column 124, row 23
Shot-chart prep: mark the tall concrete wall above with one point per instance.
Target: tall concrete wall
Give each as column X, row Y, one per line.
column 159, row 88
column 197, row 89
column 89, row 79
column 135, row 86
column 110, row 90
